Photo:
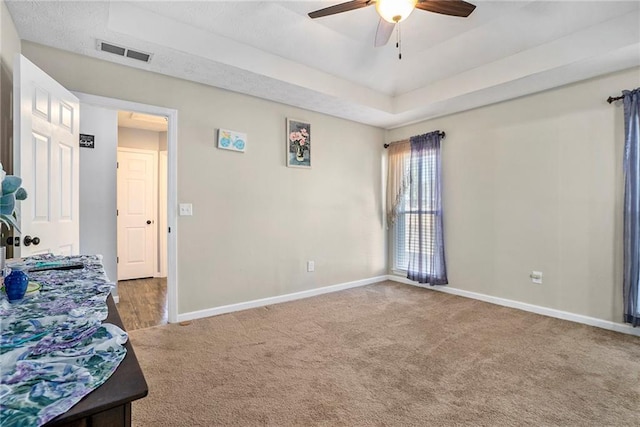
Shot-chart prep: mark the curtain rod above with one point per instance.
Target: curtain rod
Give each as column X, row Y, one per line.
column 442, row 135
column 612, row 99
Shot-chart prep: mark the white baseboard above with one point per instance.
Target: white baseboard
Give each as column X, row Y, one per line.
column 545, row 311
column 278, row 299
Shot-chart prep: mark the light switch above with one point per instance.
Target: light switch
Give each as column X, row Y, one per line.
column 186, row 209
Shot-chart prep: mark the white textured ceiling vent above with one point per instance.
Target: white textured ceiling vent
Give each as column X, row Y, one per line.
column 123, row 51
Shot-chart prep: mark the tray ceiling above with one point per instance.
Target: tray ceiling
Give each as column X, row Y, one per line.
column 273, row 50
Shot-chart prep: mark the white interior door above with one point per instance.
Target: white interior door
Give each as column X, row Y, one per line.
column 137, row 208
column 46, row 141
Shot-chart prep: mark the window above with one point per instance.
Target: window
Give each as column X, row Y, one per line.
column 420, row 215
column 414, row 208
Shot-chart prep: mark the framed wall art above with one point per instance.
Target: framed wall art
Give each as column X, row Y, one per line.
column 232, row 140
column 298, row 144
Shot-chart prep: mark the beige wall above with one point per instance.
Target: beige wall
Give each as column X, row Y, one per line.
column 139, row 138
column 162, row 145
column 530, row 184
column 256, row 222
column 9, row 47
column 10, row 42
column 536, row 184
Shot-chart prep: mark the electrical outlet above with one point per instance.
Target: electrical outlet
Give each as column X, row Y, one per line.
column 536, row 277
column 311, row 266
column 186, row 209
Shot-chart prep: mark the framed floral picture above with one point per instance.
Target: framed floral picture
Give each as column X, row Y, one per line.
column 298, row 144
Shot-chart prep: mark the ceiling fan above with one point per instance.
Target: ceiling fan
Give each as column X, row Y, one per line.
column 393, row 12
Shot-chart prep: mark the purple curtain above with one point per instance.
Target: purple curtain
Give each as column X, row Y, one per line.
column 631, row 281
column 426, row 239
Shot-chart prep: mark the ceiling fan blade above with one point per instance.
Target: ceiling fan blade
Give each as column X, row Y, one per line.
column 383, row 33
column 447, row 7
column 339, row 8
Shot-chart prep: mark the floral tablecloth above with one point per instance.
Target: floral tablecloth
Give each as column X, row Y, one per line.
column 54, row 348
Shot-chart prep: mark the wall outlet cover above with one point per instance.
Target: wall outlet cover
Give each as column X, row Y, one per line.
column 186, row 209
column 536, row 277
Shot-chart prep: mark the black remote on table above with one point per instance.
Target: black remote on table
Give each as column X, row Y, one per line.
column 56, row 266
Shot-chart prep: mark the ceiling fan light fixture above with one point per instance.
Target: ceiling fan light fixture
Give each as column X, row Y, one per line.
column 394, row 11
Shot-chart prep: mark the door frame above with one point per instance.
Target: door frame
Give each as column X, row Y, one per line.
column 172, row 183
column 162, row 213
column 154, row 202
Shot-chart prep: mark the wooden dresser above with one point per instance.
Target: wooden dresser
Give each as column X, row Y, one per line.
column 110, row 404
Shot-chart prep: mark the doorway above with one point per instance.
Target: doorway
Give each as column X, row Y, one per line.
column 141, row 198
column 165, row 220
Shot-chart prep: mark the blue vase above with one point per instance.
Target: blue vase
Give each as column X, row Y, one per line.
column 15, row 285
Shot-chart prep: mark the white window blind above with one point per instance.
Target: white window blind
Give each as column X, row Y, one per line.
column 405, row 244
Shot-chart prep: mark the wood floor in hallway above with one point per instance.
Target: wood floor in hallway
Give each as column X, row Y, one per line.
column 143, row 302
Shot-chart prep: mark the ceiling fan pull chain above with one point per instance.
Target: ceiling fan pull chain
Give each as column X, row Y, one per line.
column 399, row 43
column 393, row 12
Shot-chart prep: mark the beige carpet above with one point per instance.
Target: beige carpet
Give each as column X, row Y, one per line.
column 387, row 354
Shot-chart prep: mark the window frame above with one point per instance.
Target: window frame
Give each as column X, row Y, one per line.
column 400, row 225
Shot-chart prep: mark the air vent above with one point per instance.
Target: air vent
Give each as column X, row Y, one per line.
column 106, row 47
column 123, row 51
column 138, row 55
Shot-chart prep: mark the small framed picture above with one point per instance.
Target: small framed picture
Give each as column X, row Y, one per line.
column 298, row 144
column 232, row 140
column 87, row 141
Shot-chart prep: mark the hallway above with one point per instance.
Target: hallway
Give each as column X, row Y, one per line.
column 143, row 302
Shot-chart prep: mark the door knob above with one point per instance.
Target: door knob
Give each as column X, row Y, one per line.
column 28, row 240
column 13, row 241
column 148, row 221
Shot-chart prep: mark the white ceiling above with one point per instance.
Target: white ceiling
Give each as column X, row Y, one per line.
column 129, row 119
column 273, row 50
